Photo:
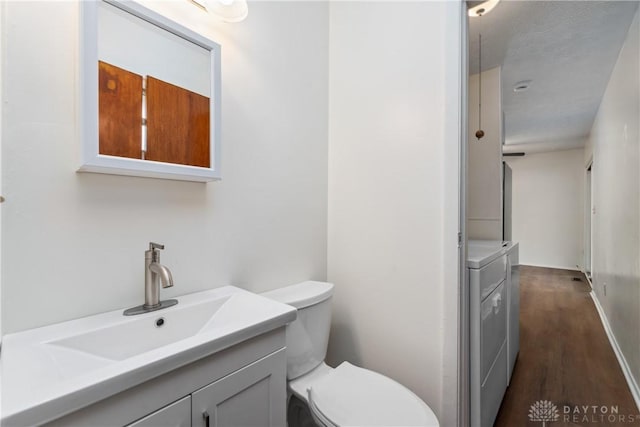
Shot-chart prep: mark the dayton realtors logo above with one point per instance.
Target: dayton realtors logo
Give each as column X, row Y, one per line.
column 545, row 411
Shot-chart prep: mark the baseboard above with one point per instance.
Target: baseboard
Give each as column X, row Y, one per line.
column 628, row 375
column 590, row 284
column 555, row 267
column 585, row 275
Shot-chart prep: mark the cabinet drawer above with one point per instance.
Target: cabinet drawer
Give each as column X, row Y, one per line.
column 489, row 276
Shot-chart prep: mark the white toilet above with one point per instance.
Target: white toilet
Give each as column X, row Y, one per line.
column 344, row 396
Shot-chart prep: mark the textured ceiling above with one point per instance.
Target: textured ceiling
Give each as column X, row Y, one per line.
column 568, row 50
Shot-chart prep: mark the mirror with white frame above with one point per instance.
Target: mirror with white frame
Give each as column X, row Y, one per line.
column 150, row 95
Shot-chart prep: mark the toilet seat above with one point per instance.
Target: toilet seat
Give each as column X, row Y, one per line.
column 353, row 396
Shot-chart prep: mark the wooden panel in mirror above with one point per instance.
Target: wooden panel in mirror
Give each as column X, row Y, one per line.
column 120, row 109
column 177, row 125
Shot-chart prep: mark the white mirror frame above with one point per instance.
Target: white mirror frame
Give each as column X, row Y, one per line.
column 92, row 160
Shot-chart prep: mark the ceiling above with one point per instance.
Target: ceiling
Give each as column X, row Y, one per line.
column 567, row 49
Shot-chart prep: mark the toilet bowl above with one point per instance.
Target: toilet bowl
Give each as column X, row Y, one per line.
column 346, row 395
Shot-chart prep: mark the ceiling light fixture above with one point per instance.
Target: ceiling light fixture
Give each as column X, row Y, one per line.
column 522, row 86
column 229, row 10
column 200, row 3
column 479, row 9
column 483, row 8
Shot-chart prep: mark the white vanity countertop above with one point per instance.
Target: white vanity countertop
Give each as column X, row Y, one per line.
column 54, row 370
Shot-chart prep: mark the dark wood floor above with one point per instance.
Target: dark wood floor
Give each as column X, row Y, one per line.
column 565, row 356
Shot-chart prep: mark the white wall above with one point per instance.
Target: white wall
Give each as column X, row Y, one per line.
column 614, row 144
column 73, row 244
column 393, row 110
column 484, row 182
column 548, row 208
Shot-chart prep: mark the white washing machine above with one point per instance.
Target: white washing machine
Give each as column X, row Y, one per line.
column 488, row 310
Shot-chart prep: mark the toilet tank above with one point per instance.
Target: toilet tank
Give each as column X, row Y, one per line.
column 308, row 335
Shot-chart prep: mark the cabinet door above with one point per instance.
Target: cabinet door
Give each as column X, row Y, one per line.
column 177, row 414
column 254, row 396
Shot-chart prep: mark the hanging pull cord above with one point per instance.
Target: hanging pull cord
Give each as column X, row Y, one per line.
column 480, row 132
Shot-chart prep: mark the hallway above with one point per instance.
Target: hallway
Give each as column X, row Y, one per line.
column 565, row 357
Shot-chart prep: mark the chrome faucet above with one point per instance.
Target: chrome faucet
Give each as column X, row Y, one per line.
column 154, row 274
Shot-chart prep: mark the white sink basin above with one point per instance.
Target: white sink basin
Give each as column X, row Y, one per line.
column 50, row 371
column 141, row 334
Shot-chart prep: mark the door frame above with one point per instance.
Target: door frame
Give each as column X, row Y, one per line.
column 588, row 221
column 455, row 387
column 464, row 399
column 2, row 42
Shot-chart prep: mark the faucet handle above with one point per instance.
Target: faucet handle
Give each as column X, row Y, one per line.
column 154, row 252
column 153, row 246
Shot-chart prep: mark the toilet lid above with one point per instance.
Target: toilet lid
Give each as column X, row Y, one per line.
column 352, row 396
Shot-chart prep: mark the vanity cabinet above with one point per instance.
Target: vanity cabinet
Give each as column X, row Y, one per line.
column 243, row 386
column 245, row 398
